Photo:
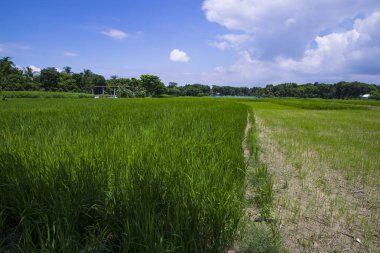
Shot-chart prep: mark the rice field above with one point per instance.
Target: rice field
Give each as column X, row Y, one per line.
column 42, row 94
column 343, row 134
column 324, row 159
column 173, row 175
column 141, row 175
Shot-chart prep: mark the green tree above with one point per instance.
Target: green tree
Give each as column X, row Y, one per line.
column 173, row 89
column 67, row 70
column 196, row 90
column 90, row 79
column 10, row 76
column 152, row 85
column 30, row 80
column 375, row 94
column 66, row 82
column 49, row 78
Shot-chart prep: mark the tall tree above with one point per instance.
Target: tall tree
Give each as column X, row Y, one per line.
column 90, row 79
column 153, row 85
column 10, row 76
column 67, row 70
column 49, row 78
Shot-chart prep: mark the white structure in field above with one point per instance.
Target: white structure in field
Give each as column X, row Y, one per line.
column 365, row 96
column 101, row 91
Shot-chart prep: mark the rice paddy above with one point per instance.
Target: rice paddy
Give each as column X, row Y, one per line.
column 172, row 175
column 149, row 175
column 324, row 158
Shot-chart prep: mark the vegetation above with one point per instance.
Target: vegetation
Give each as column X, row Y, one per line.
column 42, row 94
column 158, row 175
column 320, row 104
column 345, row 139
column 120, row 175
column 324, row 164
column 340, row 90
column 50, row 79
column 261, row 232
column 168, row 175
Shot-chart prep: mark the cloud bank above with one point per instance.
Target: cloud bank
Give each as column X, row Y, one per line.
column 296, row 40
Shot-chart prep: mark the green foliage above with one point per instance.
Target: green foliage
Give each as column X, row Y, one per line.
column 262, row 235
column 49, row 79
column 263, row 185
column 262, row 238
column 128, row 88
column 341, row 90
column 195, row 90
column 173, row 89
column 12, row 78
column 317, row 104
column 124, row 92
column 230, row 91
column 9, row 75
column 89, row 80
column 346, row 140
column 155, row 175
column 153, row 85
column 42, row 94
column 375, row 95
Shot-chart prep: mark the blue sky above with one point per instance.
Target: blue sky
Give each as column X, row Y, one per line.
column 223, row 42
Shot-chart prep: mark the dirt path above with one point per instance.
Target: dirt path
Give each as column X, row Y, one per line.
column 318, row 209
column 246, row 151
column 250, row 211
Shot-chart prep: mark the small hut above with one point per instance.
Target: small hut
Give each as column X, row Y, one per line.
column 104, row 91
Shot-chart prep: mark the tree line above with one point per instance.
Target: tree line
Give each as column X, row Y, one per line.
column 51, row 79
column 340, row 90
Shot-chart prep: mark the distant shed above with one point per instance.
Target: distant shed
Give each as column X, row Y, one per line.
column 105, row 91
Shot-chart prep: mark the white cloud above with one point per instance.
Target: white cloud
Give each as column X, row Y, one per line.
column 296, row 40
column 177, row 55
column 11, row 47
column 290, row 21
column 59, row 69
column 330, row 54
column 284, row 27
column 246, row 70
column 34, row 68
column 69, row 54
column 355, row 51
column 231, row 41
column 115, row 34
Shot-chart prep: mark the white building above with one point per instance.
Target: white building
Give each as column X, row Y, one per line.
column 365, row 96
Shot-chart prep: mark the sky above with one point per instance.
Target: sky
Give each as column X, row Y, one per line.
column 215, row 42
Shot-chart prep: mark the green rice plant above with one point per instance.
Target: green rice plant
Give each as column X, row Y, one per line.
column 262, row 238
column 347, row 140
column 152, row 175
column 357, row 101
column 260, row 178
column 261, row 234
column 42, row 94
column 332, row 158
column 319, row 104
column 263, row 185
